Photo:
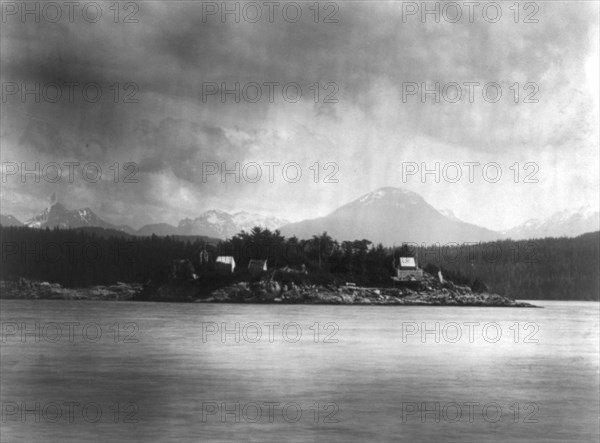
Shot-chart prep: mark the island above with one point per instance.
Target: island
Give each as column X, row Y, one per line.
column 267, row 289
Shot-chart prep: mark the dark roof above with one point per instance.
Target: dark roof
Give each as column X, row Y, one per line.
column 257, row 264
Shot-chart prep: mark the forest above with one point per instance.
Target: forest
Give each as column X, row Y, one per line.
column 550, row 268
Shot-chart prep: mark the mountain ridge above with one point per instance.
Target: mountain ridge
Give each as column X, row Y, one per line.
column 212, row 223
column 387, row 215
column 391, row 216
column 9, row 220
column 564, row 223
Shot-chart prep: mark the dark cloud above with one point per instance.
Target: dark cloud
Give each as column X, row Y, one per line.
column 170, row 131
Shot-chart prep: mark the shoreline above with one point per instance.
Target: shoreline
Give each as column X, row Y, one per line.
column 429, row 293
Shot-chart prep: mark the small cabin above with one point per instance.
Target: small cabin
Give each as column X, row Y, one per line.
column 408, row 270
column 257, row 266
column 225, row 264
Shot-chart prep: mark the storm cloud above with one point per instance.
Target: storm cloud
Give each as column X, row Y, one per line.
column 162, row 81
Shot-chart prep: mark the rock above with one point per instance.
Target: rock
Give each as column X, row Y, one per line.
column 274, row 287
column 431, row 292
column 24, row 289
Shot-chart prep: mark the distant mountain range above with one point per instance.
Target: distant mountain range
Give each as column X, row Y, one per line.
column 220, row 224
column 388, row 216
column 392, row 215
column 567, row 223
column 214, row 223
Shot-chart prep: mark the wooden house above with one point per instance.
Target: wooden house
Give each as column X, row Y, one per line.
column 407, row 270
column 225, row 264
column 257, row 266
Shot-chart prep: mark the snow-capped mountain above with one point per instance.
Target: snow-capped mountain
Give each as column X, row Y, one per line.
column 213, row 223
column 9, row 220
column 58, row 216
column 391, row 216
column 388, row 216
column 220, row 224
column 246, row 221
column 566, row 223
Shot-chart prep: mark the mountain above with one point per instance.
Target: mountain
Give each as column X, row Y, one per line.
column 391, row 216
column 388, row 216
column 449, row 213
column 9, row 220
column 58, row 216
column 567, row 223
column 246, row 221
column 220, row 224
column 212, row 224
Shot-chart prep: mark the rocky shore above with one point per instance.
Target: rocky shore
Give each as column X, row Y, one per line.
column 428, row 292
column 28, row 289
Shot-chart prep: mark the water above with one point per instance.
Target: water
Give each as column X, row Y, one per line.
column 163, row 366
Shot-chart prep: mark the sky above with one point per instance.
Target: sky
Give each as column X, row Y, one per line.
column 137, row 108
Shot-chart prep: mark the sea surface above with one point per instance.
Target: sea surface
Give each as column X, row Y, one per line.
column 74, row 371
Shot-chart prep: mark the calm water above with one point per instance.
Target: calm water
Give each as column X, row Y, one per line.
column 162, row 372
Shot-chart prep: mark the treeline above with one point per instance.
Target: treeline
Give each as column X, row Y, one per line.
column 551, row 268
column 79, row 257
column 326, row 260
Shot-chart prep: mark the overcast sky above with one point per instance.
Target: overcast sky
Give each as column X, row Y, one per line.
column 177, row 127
